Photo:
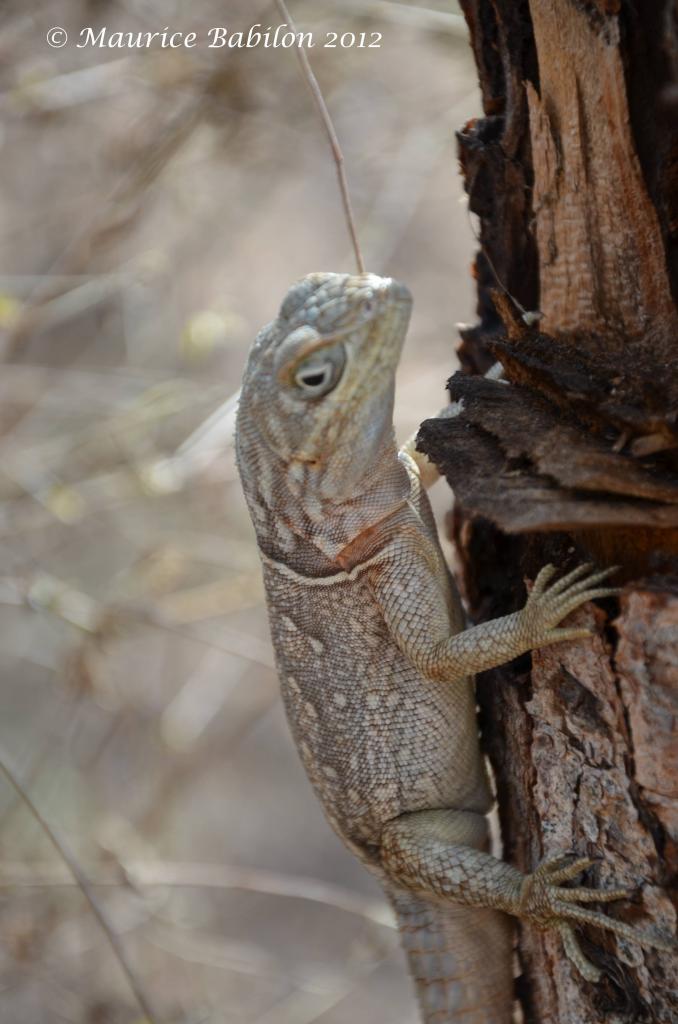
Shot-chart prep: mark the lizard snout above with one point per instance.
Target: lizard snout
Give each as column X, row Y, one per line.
column 397, row 291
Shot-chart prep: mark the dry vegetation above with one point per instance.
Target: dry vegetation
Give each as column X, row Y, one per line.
column 155, row 206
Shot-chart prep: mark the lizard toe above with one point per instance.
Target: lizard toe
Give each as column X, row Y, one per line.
column 580, row 895
column 569, row 602
column 569, row 579
column 545, row 574
column 574, row 953
column 570, row 868
column 572, row 912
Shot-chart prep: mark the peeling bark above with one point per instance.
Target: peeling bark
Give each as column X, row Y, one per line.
column 602, row 256
column 573, row 173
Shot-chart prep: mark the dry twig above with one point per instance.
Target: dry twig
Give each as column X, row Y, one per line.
column 83, row 884
column 331, row 135
column 160, row 874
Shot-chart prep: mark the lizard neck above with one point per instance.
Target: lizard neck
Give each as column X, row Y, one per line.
column 308, row 531
column 338, row 524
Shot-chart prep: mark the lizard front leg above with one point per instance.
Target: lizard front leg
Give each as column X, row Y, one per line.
column 413, row 601
column 438, row 853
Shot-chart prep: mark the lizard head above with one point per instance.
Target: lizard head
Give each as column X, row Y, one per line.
column 319, row 385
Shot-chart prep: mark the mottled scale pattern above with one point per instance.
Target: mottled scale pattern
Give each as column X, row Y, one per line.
column 444, row 852
column 376, row 740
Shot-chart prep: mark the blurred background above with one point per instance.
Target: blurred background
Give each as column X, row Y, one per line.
column 155, row 207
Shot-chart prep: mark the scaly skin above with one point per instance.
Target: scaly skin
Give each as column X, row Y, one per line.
column 375, row 664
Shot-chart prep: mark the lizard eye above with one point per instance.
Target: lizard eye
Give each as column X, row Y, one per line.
column 320, row 373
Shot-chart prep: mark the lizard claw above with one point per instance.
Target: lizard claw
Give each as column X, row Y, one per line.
column 548, row 605
column 548, row 904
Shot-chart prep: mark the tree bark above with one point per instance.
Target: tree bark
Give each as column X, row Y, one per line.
column 573, row 172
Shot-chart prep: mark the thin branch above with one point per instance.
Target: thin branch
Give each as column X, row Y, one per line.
column 144, row 874
column 331, row 135
column 83, row 884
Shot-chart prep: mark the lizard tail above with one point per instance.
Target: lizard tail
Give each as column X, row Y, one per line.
column 461, row 959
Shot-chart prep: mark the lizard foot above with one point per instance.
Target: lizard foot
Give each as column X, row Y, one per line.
column 548, row 904
column 548, row 605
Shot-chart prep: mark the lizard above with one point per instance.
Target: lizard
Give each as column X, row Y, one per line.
column 375, row 664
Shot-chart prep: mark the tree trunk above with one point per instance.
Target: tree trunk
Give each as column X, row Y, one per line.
column 573, row 172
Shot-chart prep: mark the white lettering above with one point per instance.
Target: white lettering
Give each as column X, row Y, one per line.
column 217, row 37
column 253, row 37
column 256, row 36
column 91, row 39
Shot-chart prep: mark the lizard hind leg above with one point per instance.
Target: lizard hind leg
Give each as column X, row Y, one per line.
column 439, row 853
column 460, row 957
